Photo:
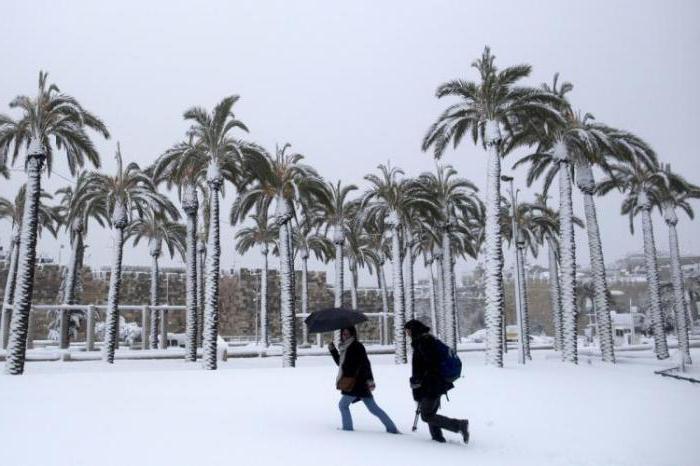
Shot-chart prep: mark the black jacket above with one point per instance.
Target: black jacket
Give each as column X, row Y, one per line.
column 356, row 364
column 426, row 380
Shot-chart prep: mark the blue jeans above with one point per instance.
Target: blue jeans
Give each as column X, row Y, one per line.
column 346, row 401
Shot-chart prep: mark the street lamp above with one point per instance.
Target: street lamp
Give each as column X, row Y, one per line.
column 516, row 243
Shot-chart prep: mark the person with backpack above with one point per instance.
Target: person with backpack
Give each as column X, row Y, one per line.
column 355, row 380
column 435, row 367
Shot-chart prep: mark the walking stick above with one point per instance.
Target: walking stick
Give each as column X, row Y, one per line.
column 415, row 420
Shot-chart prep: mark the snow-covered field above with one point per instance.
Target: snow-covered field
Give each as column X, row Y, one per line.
column 251, row 412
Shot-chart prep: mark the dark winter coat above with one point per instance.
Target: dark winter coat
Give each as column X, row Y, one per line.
column 426, row 380
column 356, row 364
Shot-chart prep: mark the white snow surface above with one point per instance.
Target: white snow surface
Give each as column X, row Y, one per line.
column 252, row 411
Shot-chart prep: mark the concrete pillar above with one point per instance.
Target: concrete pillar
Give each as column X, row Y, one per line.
column 90, row 329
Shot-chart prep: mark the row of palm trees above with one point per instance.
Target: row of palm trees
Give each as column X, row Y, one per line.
column 436, row 215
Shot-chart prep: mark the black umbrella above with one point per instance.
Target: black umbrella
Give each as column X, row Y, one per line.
column 328, row 320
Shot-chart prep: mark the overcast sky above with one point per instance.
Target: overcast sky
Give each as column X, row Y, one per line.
column 351, row 86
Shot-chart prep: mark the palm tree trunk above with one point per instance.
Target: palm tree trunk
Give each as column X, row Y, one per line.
column 381, row 277
column 16, row 348
column 448, row 291
column 657, row 323
column 568, row 264
column 157, row 317
column 433, row 298
column 554, row 297
column 339, row 269
column 9, row 293
column 399, row 310
column 525, row 324
column 440, row 329
column 115, row 283
column 201, row 264
column 586, row 184
column 353, row 284
column 70, row 289
column 410, row 286
column 305, row 295
column 190, row 205
column 212, row 273
column 494, row 255
column 678, row 291
column 263, row 305
column 287, row 298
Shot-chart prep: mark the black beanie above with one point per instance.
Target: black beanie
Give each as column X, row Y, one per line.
column 416, row 327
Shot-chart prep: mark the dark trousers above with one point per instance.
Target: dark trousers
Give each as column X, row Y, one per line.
column 436, row 422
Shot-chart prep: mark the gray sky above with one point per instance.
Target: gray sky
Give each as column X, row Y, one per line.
column 352, row 85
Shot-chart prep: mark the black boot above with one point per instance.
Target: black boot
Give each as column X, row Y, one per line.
column 464, row 430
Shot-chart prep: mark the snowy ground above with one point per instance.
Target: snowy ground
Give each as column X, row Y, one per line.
column 166, row 412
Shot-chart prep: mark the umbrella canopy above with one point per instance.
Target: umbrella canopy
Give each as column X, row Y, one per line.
column 332, row 319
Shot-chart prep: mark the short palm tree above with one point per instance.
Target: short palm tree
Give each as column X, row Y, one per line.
column 14, row 211
column 339, row 213
column 640, row 179
column 51, row 120
column 158, row 228
column 263, row 235
column 222, row 155
column 486, row 109
column 75, row 217
column 129, row 191
column 675, row 193
column 283, row 179
column 389, row 200
column 454, row 199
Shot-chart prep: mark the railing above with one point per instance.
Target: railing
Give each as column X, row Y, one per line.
column 90, row 311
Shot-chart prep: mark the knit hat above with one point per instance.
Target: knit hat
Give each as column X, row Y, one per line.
column 416, row 327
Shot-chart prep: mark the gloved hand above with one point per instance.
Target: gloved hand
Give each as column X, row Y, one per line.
column 415, row 383
column 371, row 385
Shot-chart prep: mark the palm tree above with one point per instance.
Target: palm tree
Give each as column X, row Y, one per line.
column 487, row 109
column 390, row 200
column 185, row 165
column 129, row 191
column 75, row 216
column 640, row 178
column 567, row 148
column 339, row 213
column 13, row 211
column 49, row 120
column 158, row 228
column 428, row 246
column 223, row 157
column 262, row 234
column 674, row 193
column 281, row 179
column 376, row 230
column 455, row 200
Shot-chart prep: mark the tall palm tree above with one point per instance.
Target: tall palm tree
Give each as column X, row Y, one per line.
column 14, row 211
column 339, row 213
column 376, row 230
column 640, row 181
column 185, row 166
column 51, row 120
column 567, row 148
column 75, row 216
column 675, row 193
column 262, row 234
column 282, row 179
column 158, row 228
column 487, row 109
column 428, row 247
column 223, row 157
column 454, row 199
column 390, row 200
column 129, row 191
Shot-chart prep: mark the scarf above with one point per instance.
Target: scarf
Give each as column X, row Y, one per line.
column 342, row 348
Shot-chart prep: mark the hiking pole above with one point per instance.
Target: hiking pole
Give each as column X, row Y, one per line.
column 415, row 420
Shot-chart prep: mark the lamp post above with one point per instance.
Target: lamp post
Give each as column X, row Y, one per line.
column 515, row 240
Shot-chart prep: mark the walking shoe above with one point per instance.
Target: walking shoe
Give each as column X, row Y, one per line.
column 440, row 440
column 464, row 430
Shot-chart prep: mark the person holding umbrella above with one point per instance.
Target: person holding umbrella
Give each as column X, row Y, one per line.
column 354, row 380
